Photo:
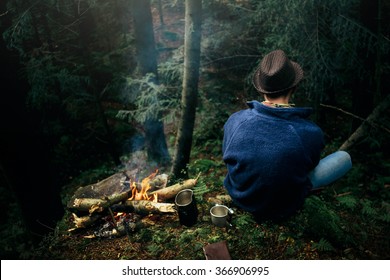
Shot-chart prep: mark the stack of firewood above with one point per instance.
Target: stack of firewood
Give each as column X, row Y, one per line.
column 112, row 195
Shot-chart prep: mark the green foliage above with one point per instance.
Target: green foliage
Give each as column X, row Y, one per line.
column 349, row 201
column 186, row 237
column 149, row 98
column 15, row 240
column 323, row 246
column 243, row 221
column 323, row 222
column 200, row 189
column 204, row 165
column 155, row 250
column 377, row 185
column 318, row 35
column 385, row 215
column 210, row 171
column 145, row 235
column 74, row 66
column 368, row 209
column 152, row 97
column 171, row 72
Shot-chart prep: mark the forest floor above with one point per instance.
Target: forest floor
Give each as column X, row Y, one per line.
column 347, row 220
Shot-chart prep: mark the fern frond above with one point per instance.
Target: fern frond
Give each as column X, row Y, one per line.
column 200, row 189
column 368, row 209
column 323, row 245
column 348, row 201
column 385, row 217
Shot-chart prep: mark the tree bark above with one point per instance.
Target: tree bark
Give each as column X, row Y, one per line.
column 147, row 62
column 104, row 193
column 362, row 130
column 144, row 207
column 183, row 144
column 96, row 205
column 160, row 12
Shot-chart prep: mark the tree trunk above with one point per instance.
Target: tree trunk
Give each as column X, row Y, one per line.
column 361, row 131
column 160, row 12
column 183, row 144
column 147, row 62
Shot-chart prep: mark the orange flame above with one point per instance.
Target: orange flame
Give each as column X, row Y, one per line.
column 145, row 187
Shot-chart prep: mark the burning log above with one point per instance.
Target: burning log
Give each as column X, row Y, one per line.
column 96, row 197
column 171, row 191
column 93, row 205
column 143, row 207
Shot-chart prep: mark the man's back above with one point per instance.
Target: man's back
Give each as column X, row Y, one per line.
column 269, row 152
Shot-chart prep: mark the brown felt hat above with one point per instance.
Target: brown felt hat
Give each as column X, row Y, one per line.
column 276, row 73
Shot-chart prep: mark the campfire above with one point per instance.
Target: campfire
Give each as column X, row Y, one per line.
column 145, row 187
column 120, row 202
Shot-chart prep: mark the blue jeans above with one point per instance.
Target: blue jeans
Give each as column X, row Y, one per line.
column 330, row 168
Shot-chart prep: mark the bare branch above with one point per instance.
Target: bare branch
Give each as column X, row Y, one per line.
column 3, row 14
column 361, row 131
column 372, row 123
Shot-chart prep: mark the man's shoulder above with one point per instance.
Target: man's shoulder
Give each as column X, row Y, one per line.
column 239, row 116
column 308, row 126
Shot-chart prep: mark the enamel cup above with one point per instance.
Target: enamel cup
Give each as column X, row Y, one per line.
column 221, row 215
column 186, row 207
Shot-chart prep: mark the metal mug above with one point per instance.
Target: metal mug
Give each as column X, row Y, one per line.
column 221, row 215
column 186, row 207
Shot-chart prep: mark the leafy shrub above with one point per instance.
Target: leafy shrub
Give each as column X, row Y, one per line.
column 323, row 245
column 323, row 222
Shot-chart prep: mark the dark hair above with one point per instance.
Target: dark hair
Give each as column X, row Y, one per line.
column 281, row 93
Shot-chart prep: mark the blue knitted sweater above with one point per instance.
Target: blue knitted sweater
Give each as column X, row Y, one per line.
column 269, row 153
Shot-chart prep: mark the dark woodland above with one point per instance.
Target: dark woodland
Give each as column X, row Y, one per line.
column 93, row 88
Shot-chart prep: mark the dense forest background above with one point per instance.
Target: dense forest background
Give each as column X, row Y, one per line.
column 86, row 91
